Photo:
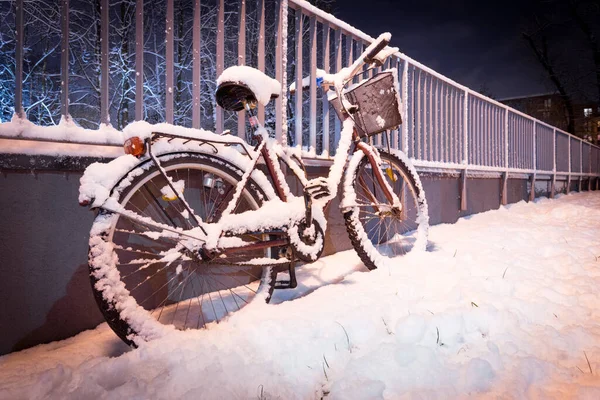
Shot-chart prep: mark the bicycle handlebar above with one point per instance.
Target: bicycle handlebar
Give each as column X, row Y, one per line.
column 346, row 74
column 367, row 56
column 384, row 41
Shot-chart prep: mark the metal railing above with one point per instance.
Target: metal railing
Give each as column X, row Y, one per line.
column 447, row 126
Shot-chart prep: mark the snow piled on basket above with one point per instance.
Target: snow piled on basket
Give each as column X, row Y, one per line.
column 261, row 85
column 504, row 305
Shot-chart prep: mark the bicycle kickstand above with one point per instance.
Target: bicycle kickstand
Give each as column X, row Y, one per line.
column 292, row 283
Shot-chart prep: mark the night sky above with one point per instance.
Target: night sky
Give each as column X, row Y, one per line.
column 474, row 42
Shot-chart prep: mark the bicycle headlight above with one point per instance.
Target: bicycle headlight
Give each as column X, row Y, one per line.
column 134, row 146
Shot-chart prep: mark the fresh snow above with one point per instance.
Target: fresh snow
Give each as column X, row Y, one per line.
column 504, row 304
column 261, row 84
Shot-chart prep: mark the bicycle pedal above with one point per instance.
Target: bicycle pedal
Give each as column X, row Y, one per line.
column 317, row 188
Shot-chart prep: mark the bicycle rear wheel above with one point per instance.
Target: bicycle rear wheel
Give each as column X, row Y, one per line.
column 379, row 231
column 142, row 295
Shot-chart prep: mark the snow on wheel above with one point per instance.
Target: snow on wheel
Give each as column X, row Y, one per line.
column 378, row 230
column 143, row 294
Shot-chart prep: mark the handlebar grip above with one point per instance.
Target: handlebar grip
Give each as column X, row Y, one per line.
column 380, row 46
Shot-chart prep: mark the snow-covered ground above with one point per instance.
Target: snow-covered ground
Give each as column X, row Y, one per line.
column 505, row 304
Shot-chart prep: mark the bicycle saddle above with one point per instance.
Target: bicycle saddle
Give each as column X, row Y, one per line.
column 240, row 84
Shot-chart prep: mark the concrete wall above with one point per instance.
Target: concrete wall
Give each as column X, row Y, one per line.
column 45, row 290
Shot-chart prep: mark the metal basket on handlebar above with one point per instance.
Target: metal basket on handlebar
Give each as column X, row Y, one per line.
column 378, row 104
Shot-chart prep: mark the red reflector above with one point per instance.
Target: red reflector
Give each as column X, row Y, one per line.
column 134, row 146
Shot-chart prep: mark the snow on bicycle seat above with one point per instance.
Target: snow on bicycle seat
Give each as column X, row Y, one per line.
column 241, row 83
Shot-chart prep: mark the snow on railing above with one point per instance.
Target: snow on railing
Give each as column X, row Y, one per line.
column 447, row 126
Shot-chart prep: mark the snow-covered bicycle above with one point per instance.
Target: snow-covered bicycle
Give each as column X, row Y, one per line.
column 193, row 225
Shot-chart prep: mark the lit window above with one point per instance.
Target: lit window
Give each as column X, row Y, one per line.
column 587, row 112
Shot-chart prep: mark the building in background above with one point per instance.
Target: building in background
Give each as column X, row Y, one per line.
column 550, row 108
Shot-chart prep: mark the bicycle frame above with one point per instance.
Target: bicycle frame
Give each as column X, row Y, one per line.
column 273, row 154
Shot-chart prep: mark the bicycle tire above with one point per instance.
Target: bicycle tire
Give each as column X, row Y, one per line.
column 117, row 245
column 378, row 231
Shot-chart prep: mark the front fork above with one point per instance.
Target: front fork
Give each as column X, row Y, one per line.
column 378, row 174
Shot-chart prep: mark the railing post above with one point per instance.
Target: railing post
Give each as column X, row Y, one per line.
column 196, row 68
column 463, row 188
column 579, row 188
column 504, row 197
column 242, row 59
column 569, row 172
column 220, row 56
column 553, row 183
column 298, row 98
column 64, row 61
column 325, row 124
column 338, row 67
column 281, row 127
column 533, row 176
column 312, row 31
column 170, row 62
column 405, row 107
column 19, row 45
column 139, row 60
column 261, row 52
column 104, row 79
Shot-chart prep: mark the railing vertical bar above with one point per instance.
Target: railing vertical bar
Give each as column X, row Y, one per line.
column 463, row 186
column 281, row 63
column 64, row 60
column 475, row 121
column 104, row 79
column 261, row 52
column 534, row 146
column 492, row 134
column 393, row 136
column 220, row 58
column 298, row 98
column 505, row 142
column 312, row 129
column 324, row 102
column 241, row 122
column 405, row 106
column 440, row 136
column 418, row 114
column 431, row 131
column 349, row 46
column 338, row 67
column 569, row 163
column 466, row 129
column 170, row 62
column 482, row 131
column 436, row 116
column 553, row 184
column 451, row 131
column 374, row 139
column 580, row 158
column 139, row 60
column 445, row 122
column 19, row 46
column 487, row 133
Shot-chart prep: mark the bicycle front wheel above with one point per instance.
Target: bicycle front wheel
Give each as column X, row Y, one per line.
column 378, row 230
column 144, row 294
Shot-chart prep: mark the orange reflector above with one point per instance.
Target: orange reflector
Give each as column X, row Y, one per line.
column 391, row 174
column 134, row 146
